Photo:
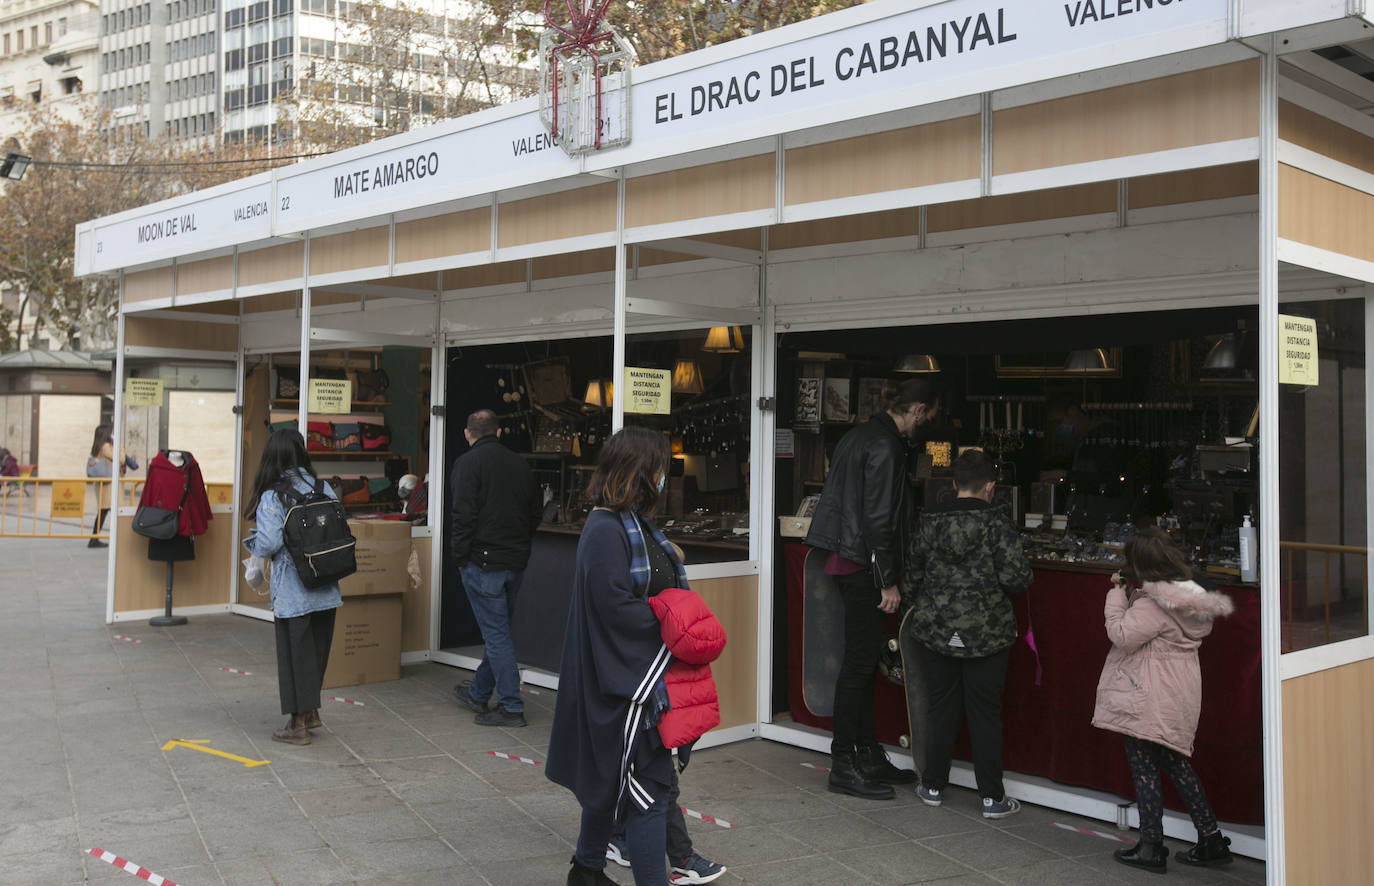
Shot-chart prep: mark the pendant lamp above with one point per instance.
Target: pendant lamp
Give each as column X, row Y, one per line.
column 600, row 393
column 918, row 363
column 724, row 340
column 687, row 378
column 1087, row 360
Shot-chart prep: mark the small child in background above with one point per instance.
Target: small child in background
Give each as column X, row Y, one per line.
column 1151, row 691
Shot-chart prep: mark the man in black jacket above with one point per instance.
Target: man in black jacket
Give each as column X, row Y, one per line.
column 496, row 509
column 861, row 520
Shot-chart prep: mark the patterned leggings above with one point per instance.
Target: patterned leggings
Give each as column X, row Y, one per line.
column 1146, row 760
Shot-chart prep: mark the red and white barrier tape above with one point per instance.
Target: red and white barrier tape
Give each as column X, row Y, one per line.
column 706, row 818
column 516, row 759
column 817, row 768
column 1092, row 833
column 237, row 671
column 130, row 867
column 347, row 701
column 530, row 691
column 126, row 639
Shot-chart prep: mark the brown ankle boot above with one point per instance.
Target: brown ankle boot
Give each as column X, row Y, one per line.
column 294, row 732
column 312, row 719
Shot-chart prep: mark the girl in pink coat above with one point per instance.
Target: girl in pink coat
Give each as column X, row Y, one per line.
column 1151, row 691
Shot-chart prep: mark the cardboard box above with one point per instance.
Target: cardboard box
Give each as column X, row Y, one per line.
column 794, row 527
column 382, row 553
column 367, row 642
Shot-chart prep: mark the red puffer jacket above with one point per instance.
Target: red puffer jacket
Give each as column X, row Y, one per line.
column 695, row 639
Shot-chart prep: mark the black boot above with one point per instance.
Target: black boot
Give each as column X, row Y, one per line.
column 847, row 778
column 580, row 876
column 1209, row 851
column 875, row 766
column 1152, row 857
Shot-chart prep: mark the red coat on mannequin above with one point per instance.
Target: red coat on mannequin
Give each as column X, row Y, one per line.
column 164, row 487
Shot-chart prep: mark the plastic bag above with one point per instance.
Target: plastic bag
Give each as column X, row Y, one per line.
column 254, row 571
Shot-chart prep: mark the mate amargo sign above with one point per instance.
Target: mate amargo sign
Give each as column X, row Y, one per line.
column 879, row 63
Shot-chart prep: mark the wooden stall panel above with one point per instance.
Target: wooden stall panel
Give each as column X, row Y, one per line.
column 276, row 301
column 260, row 266
column 573, row 264
column 929, row 154
column 256, row 409
column 158, row 332
column 1328, row 774
column 1325, row 136
column 850, row 229
column 457, row 233
column 701, row 191
column 349, row 251
column 1194, row 108
column 204, row 581
column 415, row 603
column 1324, row 214
column 149, row 284
column 574, row 213
column 1007, row 209
column 1193, row 185
column 208, row 275
column 735, row 603
column 485, row 275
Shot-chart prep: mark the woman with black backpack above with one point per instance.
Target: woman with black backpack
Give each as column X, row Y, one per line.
column 304, row 615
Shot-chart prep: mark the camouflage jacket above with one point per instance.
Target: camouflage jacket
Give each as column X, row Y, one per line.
column 964, row 562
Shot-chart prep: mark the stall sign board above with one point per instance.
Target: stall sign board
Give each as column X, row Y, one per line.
column 1297, row 350
column 331, row 395
column 648, row 391
column 68, row 498
column 143, row 392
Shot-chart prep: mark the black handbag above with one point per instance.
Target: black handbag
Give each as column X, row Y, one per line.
column 152, row 521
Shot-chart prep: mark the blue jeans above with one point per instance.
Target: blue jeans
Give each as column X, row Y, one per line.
column 645, row 836
column 492, row 595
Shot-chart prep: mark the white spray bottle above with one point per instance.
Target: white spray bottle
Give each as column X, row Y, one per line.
column 1249, row 550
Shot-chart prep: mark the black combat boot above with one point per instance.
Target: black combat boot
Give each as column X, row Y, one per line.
column 1152, row 857
column 1209, row 851
column 875, row 766
column 847, row 778
column 580, row 876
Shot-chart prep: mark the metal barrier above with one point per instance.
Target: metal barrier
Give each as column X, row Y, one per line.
column 66, row 507
column 1288, row 551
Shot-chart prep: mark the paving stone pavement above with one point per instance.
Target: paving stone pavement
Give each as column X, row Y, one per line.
column 403, row 789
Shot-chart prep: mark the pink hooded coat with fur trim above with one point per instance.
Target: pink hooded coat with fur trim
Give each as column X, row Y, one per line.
column 1151, row 684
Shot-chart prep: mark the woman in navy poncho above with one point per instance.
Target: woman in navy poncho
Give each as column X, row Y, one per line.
column 604, row 747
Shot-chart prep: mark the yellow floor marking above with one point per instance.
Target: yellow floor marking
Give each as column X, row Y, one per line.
column 197, row 744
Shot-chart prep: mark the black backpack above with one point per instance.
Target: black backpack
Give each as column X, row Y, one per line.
column 317, row 537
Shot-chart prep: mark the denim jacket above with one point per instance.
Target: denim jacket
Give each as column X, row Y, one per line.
column 290, row 597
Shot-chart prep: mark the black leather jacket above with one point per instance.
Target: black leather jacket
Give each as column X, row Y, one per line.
column 495, row 507
column 862, row 511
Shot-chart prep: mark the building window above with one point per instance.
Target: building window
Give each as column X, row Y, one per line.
column 47, row 32
column 62, row 27
column 7, row 44
column 19, row 40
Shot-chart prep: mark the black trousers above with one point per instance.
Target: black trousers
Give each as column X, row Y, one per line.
column 955, row 686
column 1147, row 760
column 863, row 643
column 302, row 654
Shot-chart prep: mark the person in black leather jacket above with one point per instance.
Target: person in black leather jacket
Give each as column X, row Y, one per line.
column 860, row 520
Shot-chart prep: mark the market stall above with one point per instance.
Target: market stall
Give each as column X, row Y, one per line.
column 1186, row 159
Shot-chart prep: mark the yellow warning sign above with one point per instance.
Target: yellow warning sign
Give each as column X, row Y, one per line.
column 648, row 391
column 143, row 392
column 332, row 395
column 68, row 498
column 1297, row 350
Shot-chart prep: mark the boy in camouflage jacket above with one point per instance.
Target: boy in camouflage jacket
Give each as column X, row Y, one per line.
column 964, row 564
